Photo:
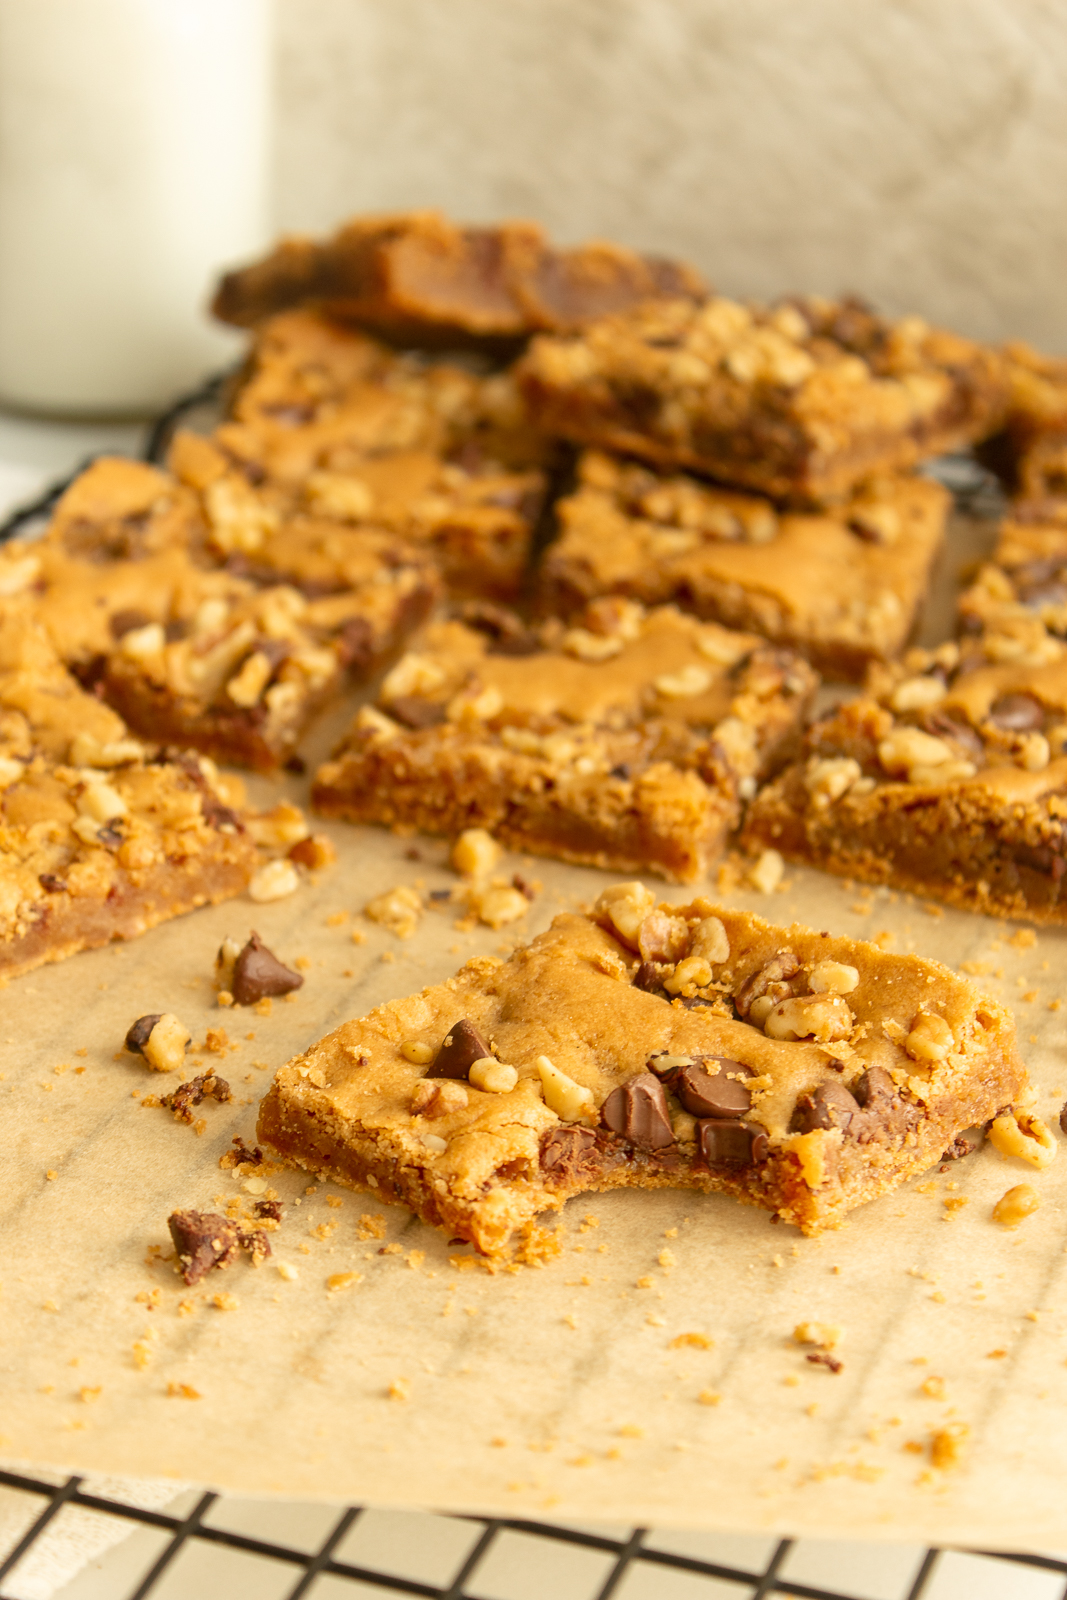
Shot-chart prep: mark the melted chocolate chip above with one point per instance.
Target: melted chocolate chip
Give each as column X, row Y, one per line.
column 257, row 973
column 887, row 1110
column 413, row 712
column 204, row 1241
column 706, row 1094
column 463, row 1045
column 137, row 1035
column 50, row 883
column 355, row 644
column 830, row 1106
column 565, row 1150
column 621, row 771
column 957, row 732
column 731, row 1144
column 125, row 620
column 647, row 978
column 1017, row 713
column 638, row 1111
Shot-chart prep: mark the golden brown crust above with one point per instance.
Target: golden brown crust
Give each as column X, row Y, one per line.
column 483, row 1164
column 418, row 278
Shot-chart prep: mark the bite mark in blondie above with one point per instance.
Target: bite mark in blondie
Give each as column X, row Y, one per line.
column 651, row 1046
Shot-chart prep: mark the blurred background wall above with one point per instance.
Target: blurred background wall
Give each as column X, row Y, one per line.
column 914, row 151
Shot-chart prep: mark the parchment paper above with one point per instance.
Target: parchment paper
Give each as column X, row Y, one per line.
column 558, row 1390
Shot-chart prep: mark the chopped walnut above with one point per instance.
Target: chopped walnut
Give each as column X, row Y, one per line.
column 161, row 1039
column 569, row 1100
column 398, row 910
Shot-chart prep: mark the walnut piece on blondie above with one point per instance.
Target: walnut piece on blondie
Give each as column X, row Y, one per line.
column 650, row 1046
column 628, row 741
column 952, row 784
column 799, row 401
column 417, row 278
column 843, row 586
column 99, row 839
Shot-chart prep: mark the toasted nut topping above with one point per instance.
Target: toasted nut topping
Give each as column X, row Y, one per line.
column 273, row 882
column 766, row 873
column 477, row 706
column 1023, row 1135
column 828, row 778
column 438, row 1097
column 315, row 851
column 163, row 1046
column 283, row 825
column 492, row 1076
column 475, row 853
column 626, row 905
column 823, row 1018
column 140, row 643
column 906, row 748
column 10, row 771
column 930, row 1038
column 339, row 494
column 398, row 910
column 499, row 904
column 689, row 975
column 101, row 802
column 1033, row 752
column 825, row 1335
column 682, row 685
column 916, row 694
column 760, row 1009
column 380, row 728
column 412, row 675
column 709, row 940
column 415, row 1051
column 722, row 648
column 661, row 937
column 562, row 1095
column 591, row 646
column 245, row 688
column 1015, row 1204
column 833, row 977
column 85, row 751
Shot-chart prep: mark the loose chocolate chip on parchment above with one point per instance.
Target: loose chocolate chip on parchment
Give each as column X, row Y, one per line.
column 138, row 1032
column 204, row 1241
column 638, row 1111
column 706, row 1093
column 731, row 1144
column 257, row 973
column 461, row 1047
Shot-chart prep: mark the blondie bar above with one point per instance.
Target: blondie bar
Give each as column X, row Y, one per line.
column 99, row 839
column 952, row 785
column 628, row 741
column 799, row 402
column 417, row 278
column 650, row 1046
column 843, row 586
column 1030, row 450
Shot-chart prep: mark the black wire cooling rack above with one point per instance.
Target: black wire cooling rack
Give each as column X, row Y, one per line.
column 625, row 1554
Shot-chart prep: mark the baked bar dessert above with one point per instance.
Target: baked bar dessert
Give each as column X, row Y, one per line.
column 1030, row 450
column 953, row 785
column 224, row 630
column 799, row 401
column 844, row 586
column 650, row 1046
column 1017, row 605
column 417, row 278
column 99, row 838
column 627, row 741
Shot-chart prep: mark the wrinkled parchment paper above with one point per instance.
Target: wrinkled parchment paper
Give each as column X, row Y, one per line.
column 648, row 1373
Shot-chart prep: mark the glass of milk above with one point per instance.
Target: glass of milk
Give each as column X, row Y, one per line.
column 134, row 143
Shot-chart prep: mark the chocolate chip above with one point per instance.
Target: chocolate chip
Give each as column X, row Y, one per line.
column 125, row 620
column 647, row 978
column 355, row 644
column 242, row 1155
column 109, row 836
column 1017, row 713
column 887, row 1110
column 621, row 771
column 463, row 1045
column 51, row 883
column 962, row 1146
column 638, row 1111
column 413, row 712
column 137, row 1034
column 707, row 1094
column 771, row 978
column 731, row 1144
column 507, row 633
column 1063, row 1118
column 257, row 972
column 296, row 765
column 830, row 1106
column 564, row 1150
column 525, row 888
column 204, row 1241
column 943, row 726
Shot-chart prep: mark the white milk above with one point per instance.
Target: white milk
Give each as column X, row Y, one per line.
column 133, row 166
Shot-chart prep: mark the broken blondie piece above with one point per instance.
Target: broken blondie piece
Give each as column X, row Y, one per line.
column 842, row 586
column 99, row 839
column 952, row 785
column 628, row 741
column 417, row 278
column 225, row 631
column 650, row 1046
column 799, row 402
